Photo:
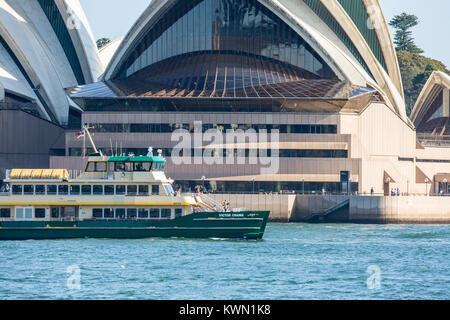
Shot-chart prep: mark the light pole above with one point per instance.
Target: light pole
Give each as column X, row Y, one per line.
column 303, row 186
column 426, row 186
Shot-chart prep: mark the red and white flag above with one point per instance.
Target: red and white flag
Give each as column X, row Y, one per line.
column 79, row 134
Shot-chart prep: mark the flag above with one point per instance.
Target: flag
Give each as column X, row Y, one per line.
column 79, row 134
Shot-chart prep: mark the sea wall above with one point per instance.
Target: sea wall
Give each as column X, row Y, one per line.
column 349, row 209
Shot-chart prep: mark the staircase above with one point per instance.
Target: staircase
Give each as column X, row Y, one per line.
column 205, row 203
column 320, row 217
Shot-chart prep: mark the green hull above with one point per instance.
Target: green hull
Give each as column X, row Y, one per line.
column 236, row 225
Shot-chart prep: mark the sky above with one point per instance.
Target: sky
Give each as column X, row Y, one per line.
column 113, row 18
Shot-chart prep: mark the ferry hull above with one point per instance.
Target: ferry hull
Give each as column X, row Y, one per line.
column 242, row 225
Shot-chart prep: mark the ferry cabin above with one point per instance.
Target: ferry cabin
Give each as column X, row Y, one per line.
column 115, row 188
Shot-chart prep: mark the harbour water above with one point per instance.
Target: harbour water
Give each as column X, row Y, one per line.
column 294, row 261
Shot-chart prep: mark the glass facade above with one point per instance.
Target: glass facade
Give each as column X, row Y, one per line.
column 241, row 27
column 171, row 127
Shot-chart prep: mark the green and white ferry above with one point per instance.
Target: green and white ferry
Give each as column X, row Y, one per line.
column 125, row 197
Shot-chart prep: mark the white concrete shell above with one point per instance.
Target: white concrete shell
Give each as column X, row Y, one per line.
column 438, row 81
column 301, row 18
column 33, row 62
column 107, row 52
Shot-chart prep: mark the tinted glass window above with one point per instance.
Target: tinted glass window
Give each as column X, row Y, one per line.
column 86, row 189
column 55, row 212
column 131, row 213
column 143, row 190
column 101, row 166
column 17, row 189
column 166, row 213
column 132, row 190
column 120, row 213
column 155, row 189
column 178, row 212
column 90, row 167
column 39, row 189
column 97, row 213
column 28, row 189
column 108, row 213
column 51, row 190
column 120, row 190
column 109, row 190
column 5, row 213
column 154, row 213
column 143, row 213
column 39, row 213
column 97, row 189
column 63, row 190
column 75, row 190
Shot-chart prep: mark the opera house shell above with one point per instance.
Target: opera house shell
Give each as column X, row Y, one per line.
column 45, row 47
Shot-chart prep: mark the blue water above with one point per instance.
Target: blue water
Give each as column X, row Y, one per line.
column 294, row 261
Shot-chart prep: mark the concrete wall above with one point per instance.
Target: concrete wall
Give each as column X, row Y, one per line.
column 361, row 209
column 26, row 140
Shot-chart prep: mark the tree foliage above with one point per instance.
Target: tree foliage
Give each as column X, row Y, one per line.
column 403, row 38
column 102, row 42
column 415, row 70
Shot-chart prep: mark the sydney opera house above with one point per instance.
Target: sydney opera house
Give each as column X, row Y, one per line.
column 324, row 73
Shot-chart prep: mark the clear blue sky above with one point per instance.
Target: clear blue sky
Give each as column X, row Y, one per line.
column 113, row 19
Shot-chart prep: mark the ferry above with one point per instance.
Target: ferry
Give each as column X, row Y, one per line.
column 117, row 197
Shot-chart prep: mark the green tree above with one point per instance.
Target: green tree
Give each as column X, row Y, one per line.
column 102, row 42
column 415, row 70
column 403, row 38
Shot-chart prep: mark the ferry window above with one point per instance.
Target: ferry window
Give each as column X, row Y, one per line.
column 131, row 190
column 129, row 166
column 131, row 213
column 100, row 167
column 28, row 189
column 119, row 166
column 86, row 190
column 63, row 190
column 108, row 213
column 109, row 190
column 75, row 190
column 143, row 190
column 39, row 213
column 5, row 213
column 143, row 214
column 155, row 189
column 17, row 189
column 154, row 213
column 51, row 190
column 166, row 213
column 120, row 190
column 178, row 212
column 97, row 213
column 39, row 189
column 90, row 167
column 138, row 167
column 120, row 213
column 169, row 189
column 55, row 213
column 97, row 190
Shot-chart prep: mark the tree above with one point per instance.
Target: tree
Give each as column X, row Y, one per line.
column 102, row 42
column 403, row 38
column 415, row 70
